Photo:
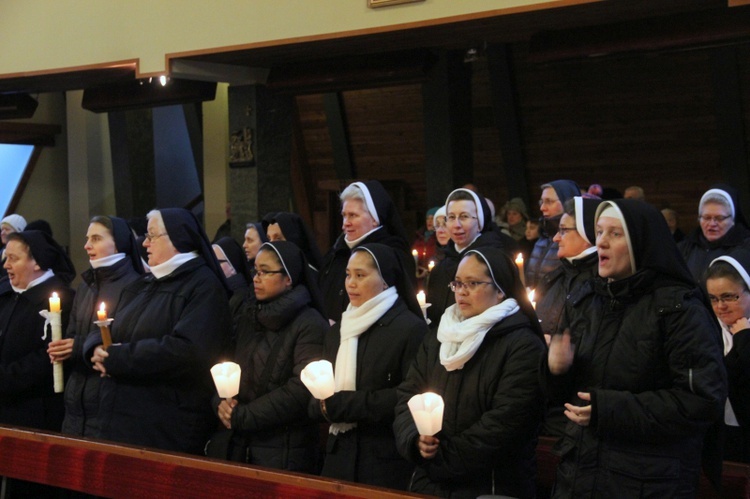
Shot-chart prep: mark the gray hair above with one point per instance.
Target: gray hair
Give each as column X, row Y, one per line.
column 156, row 215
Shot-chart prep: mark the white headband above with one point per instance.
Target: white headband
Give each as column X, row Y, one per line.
column 480, row 211
column 368, row 201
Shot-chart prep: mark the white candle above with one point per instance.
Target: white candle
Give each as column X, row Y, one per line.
column 531, row 299
column 422, row 299
column 427, row 411
column 415, row 254
column 55, row 321
column 227, row 379
column 430, row 266
column 318, row 378
column 519, row 264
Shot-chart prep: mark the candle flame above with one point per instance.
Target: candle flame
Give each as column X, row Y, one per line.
column 54, row 295
column 102, row 307
column 414, row 252
column 519, row 259
column 531, row 296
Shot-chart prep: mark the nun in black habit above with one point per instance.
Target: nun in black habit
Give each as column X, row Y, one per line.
column 279, row 332
column 115, row 262
column 285, row 226
column 371, row 349
column 483, row 360
column 37, row 267
column 645, row 380
column 169, row 328
column 369, row 216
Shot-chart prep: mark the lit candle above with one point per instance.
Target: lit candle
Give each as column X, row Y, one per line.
column 431, row 265
column 531, row 298
column 318, row 378
column 519, row 264
column 415, row 254
column 54, row 303
column 101, row 314
column 227, row 379
column 422, row 299
column 427, row 411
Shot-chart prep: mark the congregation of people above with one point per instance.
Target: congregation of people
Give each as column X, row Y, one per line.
column 633, row 351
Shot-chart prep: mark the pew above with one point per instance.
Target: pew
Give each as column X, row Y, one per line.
column 113, row 470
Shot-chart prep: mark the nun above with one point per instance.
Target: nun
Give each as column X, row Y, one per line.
column 37, row 267
column 484, row 362
column 233, row 262
column 254, row 237
column 469, row 222
column 369, row 216
column 640, row 367
column 281, row 331
column 371, row 349
column 169, row 328
column 728, row 285
column 283, row 226
column 722, row 229
column 114, row 262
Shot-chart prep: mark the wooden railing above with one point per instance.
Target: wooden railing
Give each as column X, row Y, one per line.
column 110, row 470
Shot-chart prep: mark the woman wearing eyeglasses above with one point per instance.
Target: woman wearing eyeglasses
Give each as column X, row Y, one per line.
column 169, row 328
column 576, row 240
column 279, row 332
column 371, row 350
column 722, row 229
column 728, row 285
column 469, row 222
column 484, row 362
column 640, row 367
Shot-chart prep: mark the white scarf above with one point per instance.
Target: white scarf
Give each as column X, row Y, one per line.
column 106, row 261
column 461, row 338
column 48, row 274
column 355, row 321
column 358, row 241
column 166, row 268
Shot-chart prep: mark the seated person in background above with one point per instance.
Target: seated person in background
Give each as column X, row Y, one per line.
column 722, row 229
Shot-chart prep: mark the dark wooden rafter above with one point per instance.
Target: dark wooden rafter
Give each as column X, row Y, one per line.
column 336, row 118
column 505, row 110
column 28, row 133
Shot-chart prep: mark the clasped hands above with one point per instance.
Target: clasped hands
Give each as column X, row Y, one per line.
column 560, row 359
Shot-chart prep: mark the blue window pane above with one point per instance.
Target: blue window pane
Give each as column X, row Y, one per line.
column 13, row 161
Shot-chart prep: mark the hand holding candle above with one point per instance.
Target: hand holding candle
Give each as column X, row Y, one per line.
column 103, row 324
column 318, row 378
column 55, row 320
column 227, row 379
column 427, row 411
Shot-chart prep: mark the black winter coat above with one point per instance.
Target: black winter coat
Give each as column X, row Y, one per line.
column 82, row 388
column 543, row 258
column 273, row 417
column 648, row 352
column 385, row 352
column 439, row 294
column 698, row 252
column 493, row 407
column 557, row 285
column 166, row 334
column 333, row 272
column 27, row 395
column 737, row 362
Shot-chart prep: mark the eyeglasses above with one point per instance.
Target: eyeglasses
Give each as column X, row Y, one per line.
column 151, row 237
column 470, row 285
column 547, row 202
column 564, row 230
column 462, row 218
column 717, row 218
column 262, row 273
column 725, row 298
